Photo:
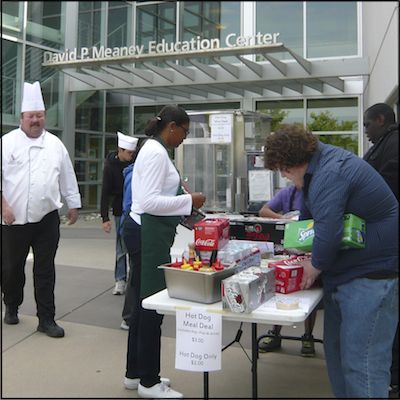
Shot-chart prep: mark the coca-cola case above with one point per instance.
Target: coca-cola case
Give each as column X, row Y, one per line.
column 211, row 234
column 288, row 273
column 288, row 278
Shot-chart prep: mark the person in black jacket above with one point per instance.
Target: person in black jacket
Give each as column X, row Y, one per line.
column 382, row 130
column 112, row 188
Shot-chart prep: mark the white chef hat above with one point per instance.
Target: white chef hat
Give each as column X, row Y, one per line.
column 127, row 142
column 32, row 99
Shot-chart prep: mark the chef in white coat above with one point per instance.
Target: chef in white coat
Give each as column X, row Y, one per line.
column 36, row 171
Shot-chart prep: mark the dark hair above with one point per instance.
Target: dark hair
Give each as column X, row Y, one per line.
column 290, row 146
column 164, row 117
column 377, row 109
column 140, row 144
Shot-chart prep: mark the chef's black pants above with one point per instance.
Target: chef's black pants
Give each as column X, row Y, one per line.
column 43, row 237
column 144, row 338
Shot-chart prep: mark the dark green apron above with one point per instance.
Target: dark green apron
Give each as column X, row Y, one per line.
column 157, row 237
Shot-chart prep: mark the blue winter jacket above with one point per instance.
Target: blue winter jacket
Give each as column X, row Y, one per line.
column 127, row 194
column 338, row 182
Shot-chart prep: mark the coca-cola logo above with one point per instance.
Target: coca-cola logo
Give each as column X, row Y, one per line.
column 205, row 242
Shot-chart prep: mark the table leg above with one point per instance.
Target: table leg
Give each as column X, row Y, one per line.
column 205, row 385
column 254, row 359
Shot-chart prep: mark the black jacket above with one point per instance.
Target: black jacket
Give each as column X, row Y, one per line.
column 113, row 186
column 384, row 157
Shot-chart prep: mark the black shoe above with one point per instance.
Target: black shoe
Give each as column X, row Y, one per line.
column 307, row 346
column 270, row 343
column 393, row 391
column 50, row 328
column 11, row 315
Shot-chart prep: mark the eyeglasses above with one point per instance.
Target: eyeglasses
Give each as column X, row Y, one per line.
column 187, row 132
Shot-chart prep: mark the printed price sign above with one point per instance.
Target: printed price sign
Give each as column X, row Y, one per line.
column 221, row 128
column 198, row 340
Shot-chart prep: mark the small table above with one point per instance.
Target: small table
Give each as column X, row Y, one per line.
column 265, row 314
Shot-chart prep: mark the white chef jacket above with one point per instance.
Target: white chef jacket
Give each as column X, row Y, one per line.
column 155, row 181
column 34, row 172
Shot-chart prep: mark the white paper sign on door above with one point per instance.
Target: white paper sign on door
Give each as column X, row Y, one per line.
column 260, row 185
column 198, row 340
column 221, row 128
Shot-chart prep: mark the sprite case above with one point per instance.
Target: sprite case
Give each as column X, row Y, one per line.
column 300, row 234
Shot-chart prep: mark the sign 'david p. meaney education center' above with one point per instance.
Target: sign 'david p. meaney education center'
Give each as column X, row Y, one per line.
column 198, row 69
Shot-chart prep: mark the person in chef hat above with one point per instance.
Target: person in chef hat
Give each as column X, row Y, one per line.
column 112, row 190
column 36, row 171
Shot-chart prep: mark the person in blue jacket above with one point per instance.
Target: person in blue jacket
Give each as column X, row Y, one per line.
column 126, row 207
column 360, row 285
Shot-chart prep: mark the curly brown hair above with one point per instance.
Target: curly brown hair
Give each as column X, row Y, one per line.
column 290, row 146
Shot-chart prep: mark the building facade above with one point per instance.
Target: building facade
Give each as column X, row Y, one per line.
column 108, row 66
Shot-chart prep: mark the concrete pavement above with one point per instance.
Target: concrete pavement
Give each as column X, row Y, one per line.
column 89, row 362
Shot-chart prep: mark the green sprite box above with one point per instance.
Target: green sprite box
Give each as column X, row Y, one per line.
column 300, row 234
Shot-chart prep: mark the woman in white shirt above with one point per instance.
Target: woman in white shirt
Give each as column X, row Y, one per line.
column 158, row 202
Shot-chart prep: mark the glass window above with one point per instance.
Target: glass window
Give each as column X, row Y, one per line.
column 331, row 28
column 348, row 142
column 89, row 24
column 11, row 18
column 80, row 170
column 5, row 128
column 90, row 194
column 10, row 70
column 88, row 168
column 155, row 22
column 210, row 106
column 142, row 116
column 88, row 146
column 335, row 121
column 117, row 112
column 44, row 23
column 49, row 79
column 285, row 17
column 95, row 148
column 80, row 146
column 282, row 112
column 117, row 24
column 332, row 114
column 111, row 144
column 89, row 110
column 210, row 20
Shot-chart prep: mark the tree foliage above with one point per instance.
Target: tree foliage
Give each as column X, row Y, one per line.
column 277, row 115
column 325, row 122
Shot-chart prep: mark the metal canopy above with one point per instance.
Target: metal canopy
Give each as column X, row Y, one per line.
column 228, row 74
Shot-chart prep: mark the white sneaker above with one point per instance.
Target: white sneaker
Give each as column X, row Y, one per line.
column 158, row 391
column 119, row 288
column 132, row 384
column 124, row 325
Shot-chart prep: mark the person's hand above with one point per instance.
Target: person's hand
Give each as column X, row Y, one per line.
column 107, row 226
column 310, row 274
column 7, row 214
column 198, row 199
column 72, row 216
